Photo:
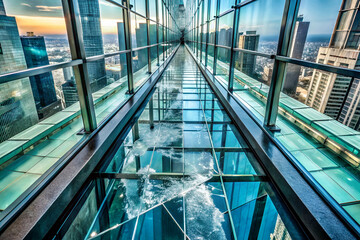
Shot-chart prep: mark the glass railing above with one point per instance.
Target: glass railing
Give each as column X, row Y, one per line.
column 310, row 80
column 44, row 113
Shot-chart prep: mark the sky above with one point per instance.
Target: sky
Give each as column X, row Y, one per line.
column 44, row 17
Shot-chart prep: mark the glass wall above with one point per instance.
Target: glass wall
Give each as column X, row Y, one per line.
column 308, row 70
column 50, row 68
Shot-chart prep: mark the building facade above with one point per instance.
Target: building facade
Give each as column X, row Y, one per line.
column 42, row 85
column 297, row 47
column 93, row 42
column 246, row 62
column 330, row 93
column 17, row 105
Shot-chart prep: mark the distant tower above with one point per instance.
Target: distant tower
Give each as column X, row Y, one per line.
column 327, row 90
column 121, row 38
column 17, row 106
column 69, row 88
column 141, row 41
column 93, row 43
column 43, row 84
column 297, row 48
column 249, row 41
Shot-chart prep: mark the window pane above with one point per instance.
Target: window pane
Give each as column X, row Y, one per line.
column 31, row 36
column 314, row 27
column 138, row 31
column 259, row 26
column 112, row 27
column 138, row 6
column 226, row 29
column 152, row 9
column 113, row 93
column 226, row 5
column 140, row 67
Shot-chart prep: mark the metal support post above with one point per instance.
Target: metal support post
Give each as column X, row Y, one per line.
column 148, row 33
column 207, row 31
column 234, row 43
column 287, row 28
column 127, row 33
column 74, row 33
column 201, row 30
column 216, row 35
column 157, row 32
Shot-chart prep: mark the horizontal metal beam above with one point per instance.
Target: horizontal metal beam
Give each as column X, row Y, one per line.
column 333, row 69
column 8, row 77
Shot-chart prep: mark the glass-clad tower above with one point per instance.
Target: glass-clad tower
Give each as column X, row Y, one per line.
column 93, row 42
column 43, row 84
column 17, row 106
column 298, row 43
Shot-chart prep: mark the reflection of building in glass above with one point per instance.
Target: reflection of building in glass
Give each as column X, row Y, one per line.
column 17, row 106
column 280, row 231
column 267, row 74
column 93, row 43
column 121, row 36
column 224, row 39
column 246, row 62
column 327, row 91
column 42, row 84
column 69, row 88
column 297, row 48
column 141, row 40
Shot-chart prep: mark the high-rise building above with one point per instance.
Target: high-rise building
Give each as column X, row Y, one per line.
column 42, row 85
column 327, row 91
column 121, row 38
column 141, row 40
column 2, row 8
column 93, row 42
column 17, row 105
column 297, row 48
column 69, row 88
column 246, row 62
column 224, row 39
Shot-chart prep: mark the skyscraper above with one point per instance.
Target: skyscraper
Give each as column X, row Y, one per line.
column 224, row 39
column 327, row 91
column 246, row 62
column 17, row 106
column 121, row 38
column 297, row 48
column 42, row 85
column 93, row 43
column 69, row 88
column 141, row 40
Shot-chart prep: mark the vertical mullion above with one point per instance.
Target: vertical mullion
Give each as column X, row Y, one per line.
column 74, row 33
column 148, row 33
column 157, row 30
column 235, row 37
column 202, row 32
column 197, row 28
column 207, row 31
column 163, row 28
column 127, row 33
column 216, row 35
column 287, row 28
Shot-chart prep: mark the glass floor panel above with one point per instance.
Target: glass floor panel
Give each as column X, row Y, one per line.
column 182, row 171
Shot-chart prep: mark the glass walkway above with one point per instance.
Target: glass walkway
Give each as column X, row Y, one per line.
column 181, row 171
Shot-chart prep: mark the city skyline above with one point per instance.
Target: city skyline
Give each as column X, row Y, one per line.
column 46, row 18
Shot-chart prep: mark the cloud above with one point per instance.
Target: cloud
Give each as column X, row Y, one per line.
column 25, row 4
column 48, row 8
column 106, row 3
